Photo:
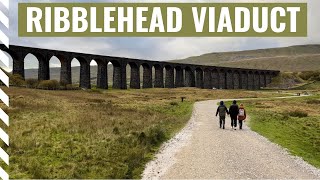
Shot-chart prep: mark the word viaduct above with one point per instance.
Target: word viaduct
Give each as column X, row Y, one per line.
column 166, row 74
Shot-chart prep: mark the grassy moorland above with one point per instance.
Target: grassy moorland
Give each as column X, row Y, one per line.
column 292, row 123
column 95, row 133
column 291, row 59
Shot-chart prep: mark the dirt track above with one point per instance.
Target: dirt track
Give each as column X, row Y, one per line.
column 202, row 150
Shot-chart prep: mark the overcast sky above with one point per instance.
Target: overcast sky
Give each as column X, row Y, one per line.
column 162, row 48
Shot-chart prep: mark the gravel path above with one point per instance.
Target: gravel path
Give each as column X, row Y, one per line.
column 202, row 150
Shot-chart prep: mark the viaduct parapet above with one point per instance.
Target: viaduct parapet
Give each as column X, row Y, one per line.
column 166, row 74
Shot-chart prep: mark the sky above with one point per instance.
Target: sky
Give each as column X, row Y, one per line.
column 160, row 48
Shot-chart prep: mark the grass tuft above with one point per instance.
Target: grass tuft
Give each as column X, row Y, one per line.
column 298, row 113
column 313, row 101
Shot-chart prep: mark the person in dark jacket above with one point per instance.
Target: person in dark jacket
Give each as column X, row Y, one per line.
column 234, row 111
column 222, row 111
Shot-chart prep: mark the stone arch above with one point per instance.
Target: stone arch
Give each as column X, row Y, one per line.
column 93, row 65
column 262, row 79
column 55, row 68
column 215, row 78
column 236, row 80
column 229, row 79
column 250, row 80
column 207, row 79
column 65, row 70
column 189, row 77
column 222, row 79
column 31, row 65
column 101, row 72
column 158, row 76
column 256, row 80
column 199, row 78
column 147, row 75
column 179, row 82
column 134, row 75
column 84, row 71
column 244, row 80
column 17, row 60
column 75, row 71
column 116, row 74
column 268, row 78
column 169, row 76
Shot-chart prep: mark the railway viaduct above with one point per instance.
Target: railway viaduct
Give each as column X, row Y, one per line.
column 166, row 74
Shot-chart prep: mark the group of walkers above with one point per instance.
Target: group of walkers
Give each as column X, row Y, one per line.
column 235, row 112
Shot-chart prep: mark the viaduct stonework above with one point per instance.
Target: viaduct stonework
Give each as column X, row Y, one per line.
column 166, row 74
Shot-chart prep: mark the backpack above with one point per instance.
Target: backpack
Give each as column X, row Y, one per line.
column 222, row 111
column 241, row 115
column 241, row 112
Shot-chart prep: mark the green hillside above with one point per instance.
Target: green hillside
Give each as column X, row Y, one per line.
column 283, row 63
column 293, row 58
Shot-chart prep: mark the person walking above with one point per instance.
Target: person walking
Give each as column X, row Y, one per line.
column 234, row 111
column 242, row 115
column 222, row 111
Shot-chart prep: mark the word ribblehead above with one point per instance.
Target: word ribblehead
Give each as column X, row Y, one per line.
column 159, row 19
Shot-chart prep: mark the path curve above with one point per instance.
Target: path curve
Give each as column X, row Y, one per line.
column 202, row 150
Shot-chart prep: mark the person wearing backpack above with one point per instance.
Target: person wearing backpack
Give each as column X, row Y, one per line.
column 234, row 111
column 242, row 115
column 222, row 111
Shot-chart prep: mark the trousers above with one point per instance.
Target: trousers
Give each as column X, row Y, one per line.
column 234, row 121
column 222, row 121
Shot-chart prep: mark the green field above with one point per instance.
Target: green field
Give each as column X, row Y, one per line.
column 292, row 123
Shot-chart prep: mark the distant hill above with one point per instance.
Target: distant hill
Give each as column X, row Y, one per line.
column 293, row 58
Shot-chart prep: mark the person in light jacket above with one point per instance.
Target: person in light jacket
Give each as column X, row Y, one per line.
column 242, row 115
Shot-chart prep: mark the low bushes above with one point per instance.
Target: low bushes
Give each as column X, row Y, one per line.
column 286, row 80
column 32, row 83
column 70, row 87
column 49, row 85
column 310, row 75
column 16, row 80
column 174, row 103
